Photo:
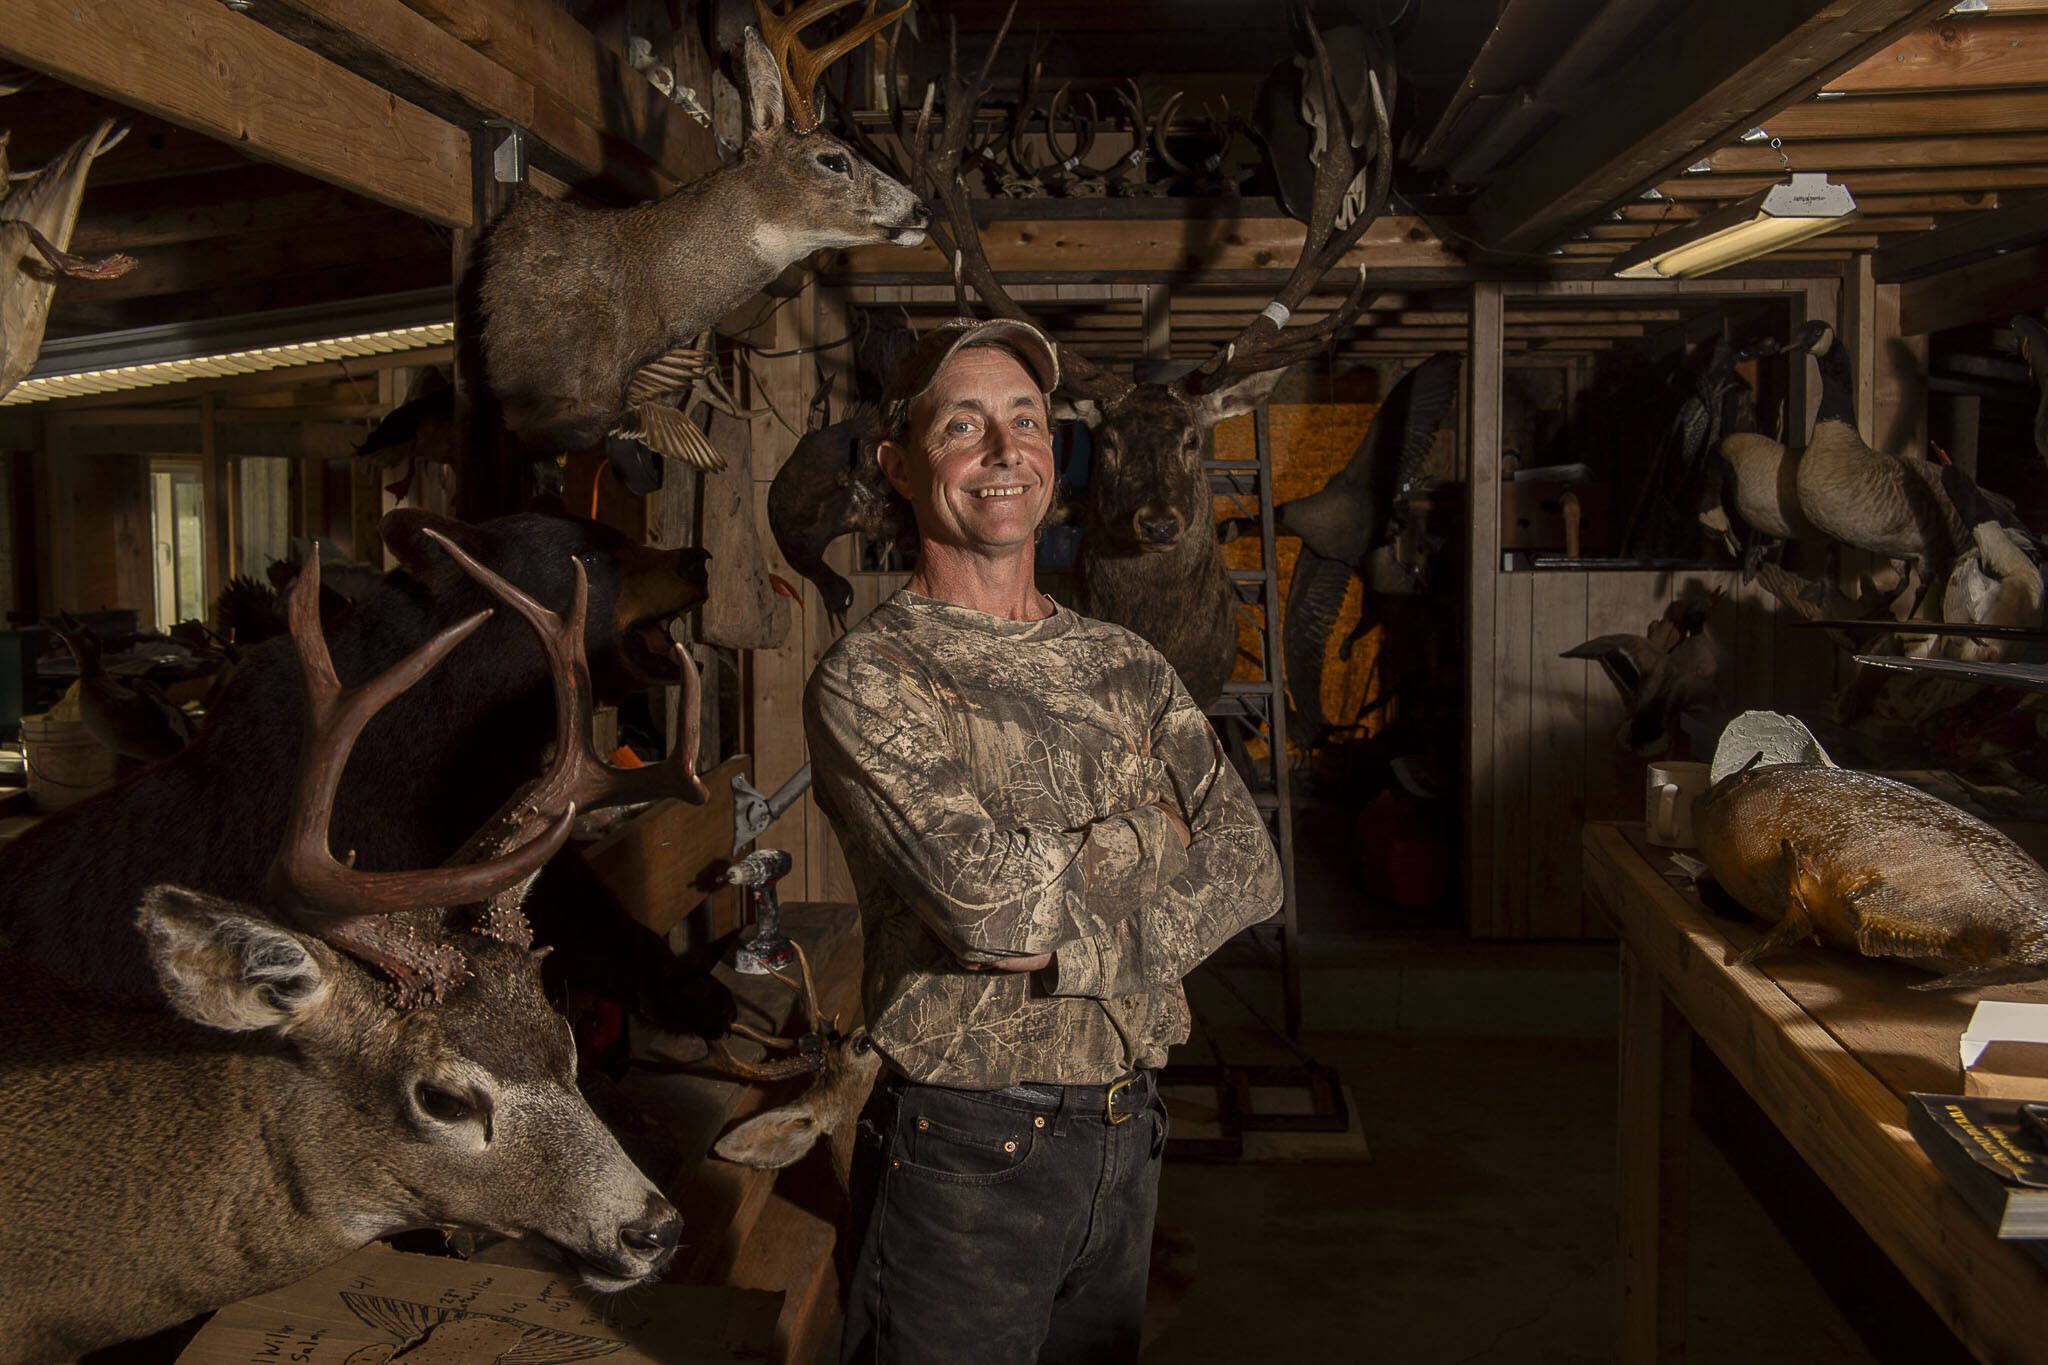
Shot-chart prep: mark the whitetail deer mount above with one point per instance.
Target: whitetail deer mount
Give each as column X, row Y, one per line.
column 287, row 1106
column 1149, row 556
column 582, row 306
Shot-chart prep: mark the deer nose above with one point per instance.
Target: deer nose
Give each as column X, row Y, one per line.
column 1157, row 530
column 656, row 1233
column 921, row 214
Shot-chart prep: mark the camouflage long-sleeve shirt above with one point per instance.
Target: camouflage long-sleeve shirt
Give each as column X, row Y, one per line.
column 993, row 783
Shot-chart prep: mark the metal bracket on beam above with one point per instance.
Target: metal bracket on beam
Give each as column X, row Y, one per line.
column 508, row 156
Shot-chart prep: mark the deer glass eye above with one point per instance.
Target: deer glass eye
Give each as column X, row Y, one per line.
column 835, row 162
column 444, row 1106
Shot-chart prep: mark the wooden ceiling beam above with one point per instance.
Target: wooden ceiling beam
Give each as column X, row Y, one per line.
column 1151, row 244
column 566, row 64
column 1925, row 180
column 1982, row 291
column 1930, row 114
column 220, row 212
column 1877, row 205
column 202, row 66
column 217, row 261
column 1702, row 82
column 2017, row 225
column 1983, row 52
column 1884, row 154
column 407, row 53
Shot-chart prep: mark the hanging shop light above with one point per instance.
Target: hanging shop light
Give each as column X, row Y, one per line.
column 1805, row 206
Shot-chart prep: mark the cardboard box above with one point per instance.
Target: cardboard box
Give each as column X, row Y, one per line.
column 2004, row 1051
column 392, row 1304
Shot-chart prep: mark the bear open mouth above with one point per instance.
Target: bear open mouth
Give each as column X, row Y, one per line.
column 649, row 648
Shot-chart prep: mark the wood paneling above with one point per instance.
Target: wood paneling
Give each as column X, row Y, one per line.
column 1982, row 53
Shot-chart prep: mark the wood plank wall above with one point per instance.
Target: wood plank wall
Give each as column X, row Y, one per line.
column 1541, row 758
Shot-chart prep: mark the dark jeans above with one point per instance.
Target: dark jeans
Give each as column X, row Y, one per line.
column 999, row 1231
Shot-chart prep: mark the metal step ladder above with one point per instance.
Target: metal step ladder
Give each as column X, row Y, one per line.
column 1260, row 704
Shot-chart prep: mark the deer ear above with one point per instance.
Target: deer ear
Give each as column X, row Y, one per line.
column 764, row 86
column 405, row 529
column 222, row 966
column 773, row 1140
column 1234, row 400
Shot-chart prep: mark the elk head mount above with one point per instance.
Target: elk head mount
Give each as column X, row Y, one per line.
column 590, row 314
column 1149, row 557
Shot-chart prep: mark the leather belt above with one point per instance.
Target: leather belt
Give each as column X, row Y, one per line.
column 1117, row 1101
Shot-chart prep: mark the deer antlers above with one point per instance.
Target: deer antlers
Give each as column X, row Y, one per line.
column 801, row 66
column 809, row 1048
column 354, row 910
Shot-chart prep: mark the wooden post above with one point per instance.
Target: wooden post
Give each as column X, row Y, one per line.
column 1656, row 1088
column 1482, row 570
column 490, row 476
column 217, row 503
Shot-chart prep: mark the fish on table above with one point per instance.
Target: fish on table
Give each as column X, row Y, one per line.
column 1861, row 861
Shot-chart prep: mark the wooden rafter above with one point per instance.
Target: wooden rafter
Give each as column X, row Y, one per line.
column 1943, row 113
column 204, row 67
column 1699, row 84
column 1987, row 52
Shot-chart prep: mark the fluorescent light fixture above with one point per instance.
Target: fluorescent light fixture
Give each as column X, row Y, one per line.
column 1805, row 206
column 142, row 357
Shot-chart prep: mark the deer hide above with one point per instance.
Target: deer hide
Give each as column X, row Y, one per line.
column 49, row 204
column 744, row 611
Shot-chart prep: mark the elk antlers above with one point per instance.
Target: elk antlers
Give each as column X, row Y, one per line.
column 1346, row 157
column 801, row 66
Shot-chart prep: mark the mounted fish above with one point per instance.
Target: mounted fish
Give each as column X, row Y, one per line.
column 591, row 315
column 36, row 222
column 1863, row 862
column 1661, row 676
column 832, row 485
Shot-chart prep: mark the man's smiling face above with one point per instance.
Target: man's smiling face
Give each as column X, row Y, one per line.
column 976, row 462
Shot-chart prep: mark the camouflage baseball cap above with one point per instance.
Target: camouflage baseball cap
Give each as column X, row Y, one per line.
column 917, row 368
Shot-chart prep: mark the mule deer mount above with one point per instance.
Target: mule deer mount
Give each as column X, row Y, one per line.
column 590, row 315
column 1149, row 555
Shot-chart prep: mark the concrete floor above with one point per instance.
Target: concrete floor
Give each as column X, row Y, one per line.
column 1483, row 1226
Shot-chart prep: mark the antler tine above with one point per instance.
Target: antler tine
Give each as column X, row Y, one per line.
column 801, row 66
column 579, row 777
column 1260, row 345
column 808, row 991
column 305, row 879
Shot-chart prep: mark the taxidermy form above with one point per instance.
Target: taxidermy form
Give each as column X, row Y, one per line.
column 1863, row 862
column 1344, row 522
column 421, row 430
column 1891, row 505
column 131, row 716
column 1660, row 676
column 590, row 314
column 36, row 222
column 832, row 484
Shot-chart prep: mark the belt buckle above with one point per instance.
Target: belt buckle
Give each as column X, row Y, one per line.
column 1109, row 1102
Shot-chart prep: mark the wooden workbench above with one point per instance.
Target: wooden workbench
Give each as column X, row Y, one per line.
column 1828, row 1044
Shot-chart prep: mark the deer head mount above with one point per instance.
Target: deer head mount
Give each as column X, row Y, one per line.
column 591, row 316
column 1149, row 527
column 405, row 924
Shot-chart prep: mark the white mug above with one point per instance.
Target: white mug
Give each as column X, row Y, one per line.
column 1669, row 789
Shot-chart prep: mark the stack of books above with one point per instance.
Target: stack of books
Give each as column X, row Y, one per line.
column 1995, row 1157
